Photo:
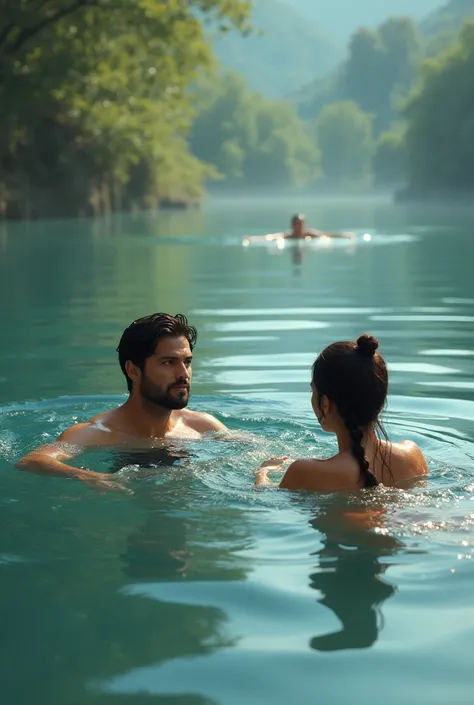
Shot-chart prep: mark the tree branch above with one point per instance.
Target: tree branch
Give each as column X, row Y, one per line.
column 5, row 32
column 9, row 23
column 28, row 33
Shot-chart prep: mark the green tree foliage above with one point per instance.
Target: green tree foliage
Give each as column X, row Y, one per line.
column 452, row 14
column 390, row 160
column 312, row 98
column 382, row 64
column 95, row 101
column 345, row 138
column 253, row 141
column 379, row 72
column 363, row 78
column 442, row 26
column 440, row 115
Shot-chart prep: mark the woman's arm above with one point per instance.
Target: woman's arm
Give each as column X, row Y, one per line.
column 312, row 475
column 269, row 466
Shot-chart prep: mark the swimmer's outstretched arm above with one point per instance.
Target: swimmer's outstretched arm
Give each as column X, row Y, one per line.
column 48, row 459
column 269, row 237
column 333, row 235
column 344, row 236
column 311, row 232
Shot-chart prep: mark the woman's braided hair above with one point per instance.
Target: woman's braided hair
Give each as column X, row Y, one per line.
column 354, row 377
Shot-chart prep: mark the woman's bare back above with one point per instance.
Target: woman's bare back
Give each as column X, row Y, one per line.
column 393, row 464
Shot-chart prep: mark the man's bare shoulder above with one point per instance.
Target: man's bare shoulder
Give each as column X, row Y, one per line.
column 91, row 433
column 201, row 422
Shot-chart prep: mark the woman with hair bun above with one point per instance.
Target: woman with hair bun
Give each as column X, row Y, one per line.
column 349, row 389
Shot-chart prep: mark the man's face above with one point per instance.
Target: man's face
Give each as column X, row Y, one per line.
column 166, row 377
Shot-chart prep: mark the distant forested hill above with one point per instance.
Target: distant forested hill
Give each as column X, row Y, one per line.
column 437, row 31
column 449, row 16
column 441, row 26
column 291, row 51
column 342, row 17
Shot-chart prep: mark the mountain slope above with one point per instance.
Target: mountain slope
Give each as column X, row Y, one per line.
column 439, row 29
column 447, row 18
column 290, row 52
column 341, row 17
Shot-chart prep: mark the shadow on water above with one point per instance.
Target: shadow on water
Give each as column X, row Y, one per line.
column 66, row 604
column 349, row 575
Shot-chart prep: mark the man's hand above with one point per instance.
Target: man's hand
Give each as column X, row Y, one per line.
column 48, row 460
column 101, row 481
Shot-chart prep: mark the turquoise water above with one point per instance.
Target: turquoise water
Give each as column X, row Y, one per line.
column 198, row 589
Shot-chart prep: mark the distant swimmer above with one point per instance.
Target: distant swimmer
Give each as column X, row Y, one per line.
column 299, row 231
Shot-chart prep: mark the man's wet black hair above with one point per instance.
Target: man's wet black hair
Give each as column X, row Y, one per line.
column 296, row 217
column 139, row 340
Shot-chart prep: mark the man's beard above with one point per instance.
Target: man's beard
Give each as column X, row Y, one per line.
column 157, row 396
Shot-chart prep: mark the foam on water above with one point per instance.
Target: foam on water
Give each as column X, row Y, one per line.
column 222, row 471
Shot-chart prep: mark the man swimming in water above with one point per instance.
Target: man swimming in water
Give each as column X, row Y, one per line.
column 299, row 231
column 155, row 354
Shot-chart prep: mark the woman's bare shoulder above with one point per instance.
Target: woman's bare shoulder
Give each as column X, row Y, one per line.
column 408, row 459
column 331, row 475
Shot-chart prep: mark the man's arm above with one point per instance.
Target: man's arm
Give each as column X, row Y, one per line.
column 48, row 459
column 311, row 232
column 320, row 233
column 247, row 239
column 343, row 235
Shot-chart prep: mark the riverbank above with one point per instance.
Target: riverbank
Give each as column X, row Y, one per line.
column 62, row 201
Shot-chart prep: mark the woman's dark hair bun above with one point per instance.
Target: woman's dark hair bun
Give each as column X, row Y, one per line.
column 367, row 345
